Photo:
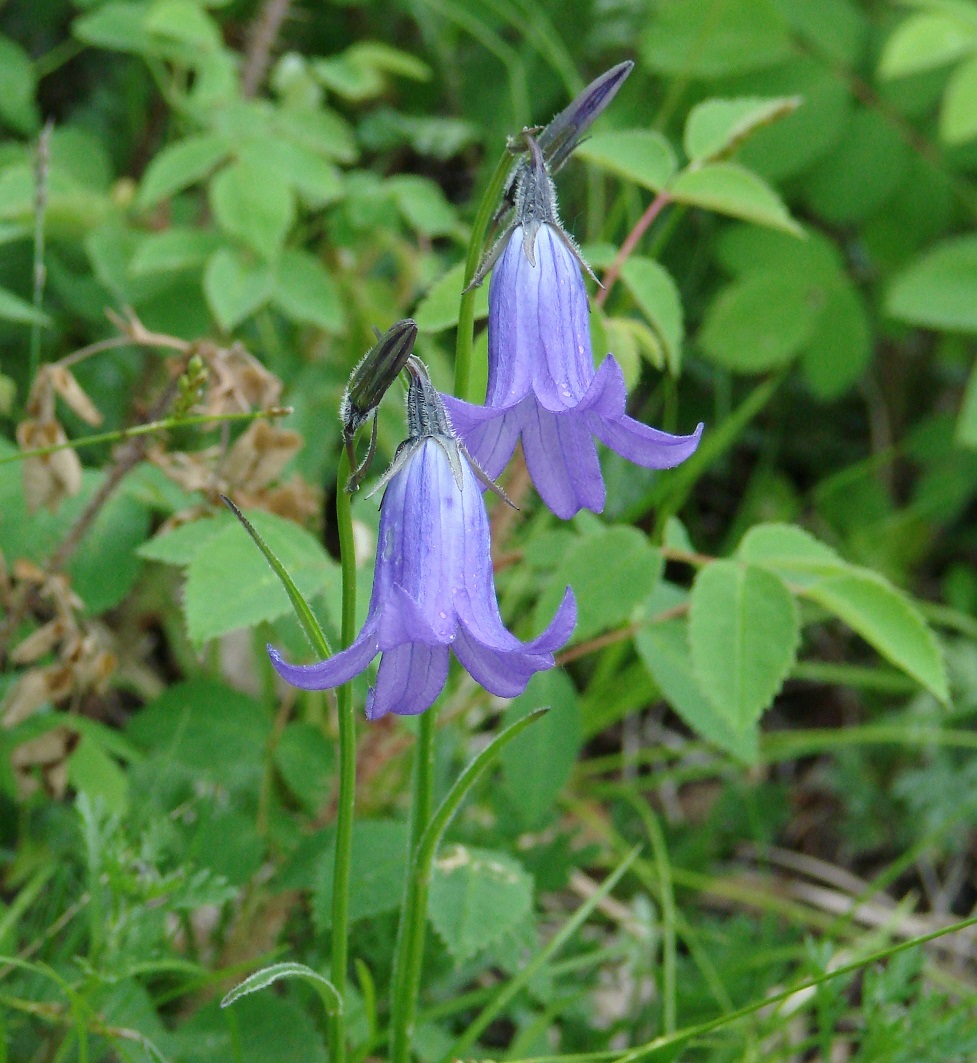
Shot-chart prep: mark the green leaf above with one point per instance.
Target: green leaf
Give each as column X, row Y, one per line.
column 716, row 128
column 476, row 897
column 184, row 22
column 13, row 308
column 377, row 869
column 537, row 764
column 305, row 760
column 119, row 26
column 438, row 309
column 887, row 620
column 841, row 346
column 744, row 633
column 790, row 552
column 639, row 155
column 924, row 42
column 859, row 177
column 760, row 322
column 174, row 250
column 423, row 205
column 92, row 771
column 181, row 165
column 234, row 289
column 17, row 87
column 313, row 177
column 657, row 296
column 958, row 115
column 710, row 40
column 253, row 202
column 230, row 585
column 611, row 572
column 269, row 975
column 181, row 545
column 731, row 189
column 207, row 730
column 664, row 650
column 939, row 290
column 305, row 292
column 966, row 431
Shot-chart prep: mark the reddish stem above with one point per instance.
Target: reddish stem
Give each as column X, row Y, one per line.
column 655, row 207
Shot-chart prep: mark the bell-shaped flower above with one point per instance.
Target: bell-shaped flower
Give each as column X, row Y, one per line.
column 542, row 385
column 433, row 587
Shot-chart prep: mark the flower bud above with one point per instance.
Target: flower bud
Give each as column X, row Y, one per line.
column 374, row 374
column 566, row 130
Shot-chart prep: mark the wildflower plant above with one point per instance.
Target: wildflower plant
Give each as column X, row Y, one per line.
column 274, row 215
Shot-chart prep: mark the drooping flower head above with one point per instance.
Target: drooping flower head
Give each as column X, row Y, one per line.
column 542, row 385
column 433, row 586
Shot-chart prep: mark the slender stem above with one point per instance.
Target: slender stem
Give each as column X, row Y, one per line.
column 655, row 208
column 41, row 171
column 409, row 955
column 347, row 767
column 466, row 313
column 149, row 428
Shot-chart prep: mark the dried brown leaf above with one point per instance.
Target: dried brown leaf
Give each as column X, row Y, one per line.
column 50, row 478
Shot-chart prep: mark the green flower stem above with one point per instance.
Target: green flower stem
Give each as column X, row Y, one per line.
column 165, row 425
column 466, row 313
column 347, row 767
column 409, row 954
column 409, row 951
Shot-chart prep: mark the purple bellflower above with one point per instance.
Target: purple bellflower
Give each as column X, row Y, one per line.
column 542, row 385
column 433, row 586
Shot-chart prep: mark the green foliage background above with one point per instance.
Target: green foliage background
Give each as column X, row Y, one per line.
column 773, row 683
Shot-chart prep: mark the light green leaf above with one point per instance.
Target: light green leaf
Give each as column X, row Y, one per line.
column 377, row 870
column 716, row 128
column 253, row 202
column 760, row 322
column 924, row 42
column 731, row 189
column 180, row 165
column 790, row 552
column 639, row 155
column 966, row 432
column 119, row 26
column 438, row 309
column 314, row 178
column 184, row 22
column 13, row 308
column 958, row 115
column 423, row 205
column 610, row 571
column 664, row 651
column 230, row 585
column 181, row 545
column 537, row 764
column 710, row 40
column 305, row 292
column 174, row 250
column 92, row 771
column 744, row 633
column 269, row 975
column 234, row 289
column 476, row 897
column 384, row 57
column 657, row 296
column 939, row 290
column 17, row 87
column 887, row 620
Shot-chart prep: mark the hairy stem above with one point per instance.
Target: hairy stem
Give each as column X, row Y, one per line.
column 347, row 767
